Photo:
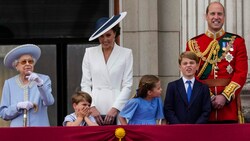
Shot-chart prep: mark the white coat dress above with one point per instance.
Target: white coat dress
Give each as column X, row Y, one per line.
column 109, row 84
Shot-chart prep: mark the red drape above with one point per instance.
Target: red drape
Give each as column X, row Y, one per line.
column 211, row 132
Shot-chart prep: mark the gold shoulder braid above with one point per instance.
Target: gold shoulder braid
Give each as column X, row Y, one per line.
column 230, row 90
column 212, row 51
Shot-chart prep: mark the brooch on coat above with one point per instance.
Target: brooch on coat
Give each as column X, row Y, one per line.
column 229, row 69
column 229, row 57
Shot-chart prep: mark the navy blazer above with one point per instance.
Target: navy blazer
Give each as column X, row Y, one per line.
column 178, row 110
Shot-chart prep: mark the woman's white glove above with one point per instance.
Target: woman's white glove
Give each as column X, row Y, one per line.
column 24, row 105
column 34, row 77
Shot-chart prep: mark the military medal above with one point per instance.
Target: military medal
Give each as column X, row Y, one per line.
column 231, row 48
column 224, row 44
column 229, row 69
column 229, row 57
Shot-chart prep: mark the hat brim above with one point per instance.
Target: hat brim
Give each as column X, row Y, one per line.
column 17, row 52
column 114, row 20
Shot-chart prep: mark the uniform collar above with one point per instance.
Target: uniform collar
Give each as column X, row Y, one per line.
column 215, row 35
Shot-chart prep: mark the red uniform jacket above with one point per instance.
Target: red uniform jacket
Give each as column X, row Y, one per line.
column 223, row 66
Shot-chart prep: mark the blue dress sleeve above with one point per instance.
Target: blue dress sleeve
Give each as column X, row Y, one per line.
column 129, row 108
column 8, row 109
column 159, row 113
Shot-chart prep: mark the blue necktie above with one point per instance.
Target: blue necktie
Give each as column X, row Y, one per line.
column 189, row 90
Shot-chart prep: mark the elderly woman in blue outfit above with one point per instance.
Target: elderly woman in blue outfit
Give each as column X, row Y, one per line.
column 26, row 96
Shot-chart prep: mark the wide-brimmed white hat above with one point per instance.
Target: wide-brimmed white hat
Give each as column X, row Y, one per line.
column 17, row 52
column 105, row 24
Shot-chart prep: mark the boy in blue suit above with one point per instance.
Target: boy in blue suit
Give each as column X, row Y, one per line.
column 187, row 100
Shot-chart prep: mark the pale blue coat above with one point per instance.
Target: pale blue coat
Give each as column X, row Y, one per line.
column 14, row 91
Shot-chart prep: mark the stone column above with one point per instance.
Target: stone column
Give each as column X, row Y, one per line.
column 140, row 33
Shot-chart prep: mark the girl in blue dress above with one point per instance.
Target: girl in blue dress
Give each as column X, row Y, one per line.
column 146, row 107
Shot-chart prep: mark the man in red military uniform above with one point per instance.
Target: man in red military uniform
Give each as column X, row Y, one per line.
column 223, row 65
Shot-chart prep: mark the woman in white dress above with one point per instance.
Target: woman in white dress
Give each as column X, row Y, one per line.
column 107, row 71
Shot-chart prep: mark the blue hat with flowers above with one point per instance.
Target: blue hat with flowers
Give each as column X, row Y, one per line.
column 105, row 24
column 17, row 52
